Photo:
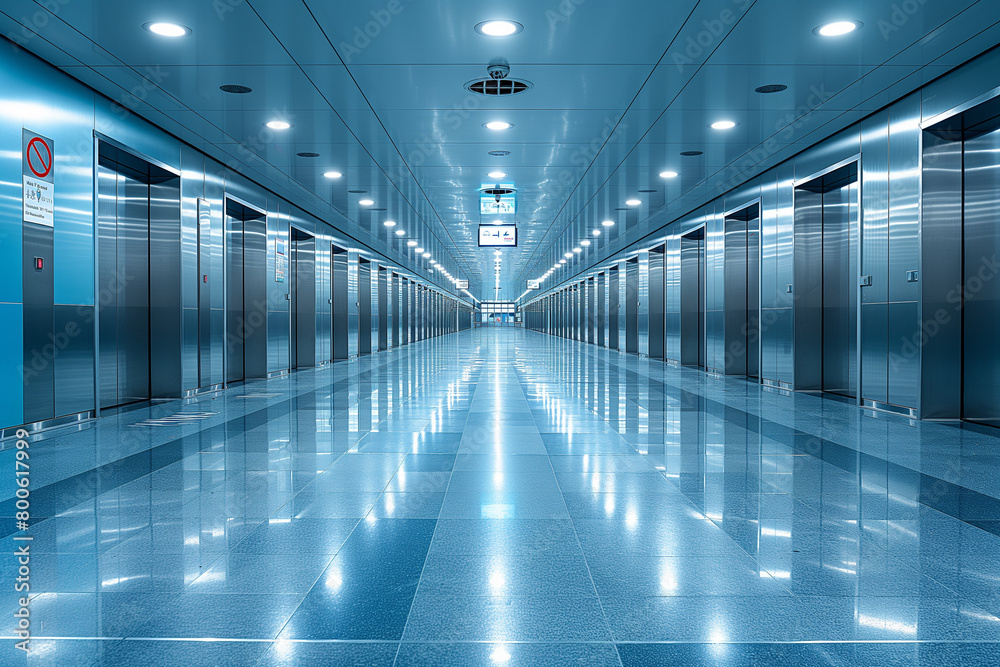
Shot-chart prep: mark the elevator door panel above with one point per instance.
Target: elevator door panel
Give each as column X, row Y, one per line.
column 753, row 299
column 981, row 357
column 123, row 247
column 839, row 290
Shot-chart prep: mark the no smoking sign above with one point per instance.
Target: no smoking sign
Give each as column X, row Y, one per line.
column 37, row 169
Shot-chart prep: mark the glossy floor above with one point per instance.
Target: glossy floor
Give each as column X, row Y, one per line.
column 501, row 497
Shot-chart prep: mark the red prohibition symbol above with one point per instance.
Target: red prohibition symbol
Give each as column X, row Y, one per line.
column 39, row 157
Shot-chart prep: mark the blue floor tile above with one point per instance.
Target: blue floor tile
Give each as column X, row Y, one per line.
column 499, row 497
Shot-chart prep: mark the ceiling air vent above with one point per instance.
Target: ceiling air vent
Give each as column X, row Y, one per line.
column 235, row 89
column 499, row 153
column 498, row 192
column 691, row 153
column 497, row 85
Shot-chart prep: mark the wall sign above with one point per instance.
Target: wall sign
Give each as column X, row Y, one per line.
column 37, row 168
column 280, row 263
column 462, row 284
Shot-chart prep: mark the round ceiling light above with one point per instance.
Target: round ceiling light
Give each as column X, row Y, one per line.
column 723, row 125
column 400, row 232
column 497, row 174
column 499, row 28
column 585, row 243
column 427, row 255
column 165, row 29
column 419, row 250
column 578, row 249
column 278, row 124
column 389, row 223
column 632, row 202
column 366, row 202
column 411, row 244
column 498, row 125
column 596, row 232
column 668, row 174
column 608, row 223
column 837, row 28
column 562, row 261
column 332, row 174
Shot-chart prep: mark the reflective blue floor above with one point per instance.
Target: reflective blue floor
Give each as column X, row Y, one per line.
column 501, row 497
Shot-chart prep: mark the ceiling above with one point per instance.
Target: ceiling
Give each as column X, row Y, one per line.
column 619, row 90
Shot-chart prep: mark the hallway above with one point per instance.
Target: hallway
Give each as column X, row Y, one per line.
column 502, row 497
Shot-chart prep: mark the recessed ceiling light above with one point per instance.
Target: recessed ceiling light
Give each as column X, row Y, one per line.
column 578, row 249
column 723, row 125
column 278, row 124
column 419, row 250
column 568, row 255
column 608, row 223
column 400, row 232
column 499, row 28
column 668, row 174
column 632, row 202
column 585, row 243
column 427, row 255
column 496, row 174
column 365, row 202
column 837, row 28
column 411, row 244
column 332, row 174
column 389, row 223
column 596, row 232
column 562, row 261
column 498, row 125
column 164, row 29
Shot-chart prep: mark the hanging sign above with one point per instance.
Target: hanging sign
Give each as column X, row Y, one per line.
column 37, row 167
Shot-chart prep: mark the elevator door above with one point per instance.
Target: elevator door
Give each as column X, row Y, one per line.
column 302, row 292
column 246, row 292
column 981, row 312
column 338, row 310
column 364, row 307
column 840, row 317
column 693, row 341
column 123, row 247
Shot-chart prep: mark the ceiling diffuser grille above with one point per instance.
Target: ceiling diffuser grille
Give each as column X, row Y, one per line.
column 497, row 87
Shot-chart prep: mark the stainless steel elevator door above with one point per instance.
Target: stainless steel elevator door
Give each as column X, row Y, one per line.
column 693, row 340
column 753, row 298
column 234, row 299
column 981, row 313
column 246, row 293
column 123, row 266
column 840, row 323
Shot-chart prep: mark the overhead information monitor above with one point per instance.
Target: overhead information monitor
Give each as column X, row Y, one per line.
column 503, row 236
column 462, row 284
column 534, row 284
column 488, row 205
